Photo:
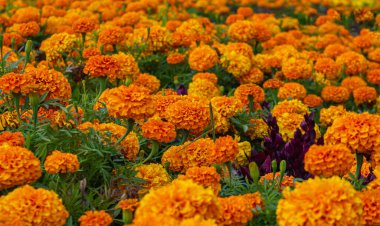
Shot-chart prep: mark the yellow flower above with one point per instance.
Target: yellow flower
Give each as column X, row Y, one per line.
column 245, row 151
column 154, row 174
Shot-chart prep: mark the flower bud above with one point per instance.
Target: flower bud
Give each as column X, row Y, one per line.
column 274, row 166
column 254, row 171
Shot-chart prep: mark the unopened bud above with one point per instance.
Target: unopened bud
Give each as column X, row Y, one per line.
column 254, row 171
column 274, row 166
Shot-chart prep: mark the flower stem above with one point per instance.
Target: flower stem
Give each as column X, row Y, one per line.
column 129, row 129
column 212, row 123
column 155, row 146
column 359, row 163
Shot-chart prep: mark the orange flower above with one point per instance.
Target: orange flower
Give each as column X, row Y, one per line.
column 365, row 94
column 312, row 101
column 243, row 91
column 149, row 81
column 59, row 162
column 328, row 115
column 235, row 210
column 99, row 218
column 371, row 205
column 226, row 149
column 128, row 66
column 128, row 204
column 205, row 176
column 254, row 76
column 13, row 82
column 286, row 180
column 272, row 83
column 290, row 106
column 291, row 90
column 12, row 139
column 89, row 52
column 245, row 11
column 294, row 68
column 203, row 88
column 175, row 58
column 336, row 94
column 335, row 50
column 233, row 18
column 202, row 58
column 56, row 45
column 154, row 174
column 102, row 66
column 209, row 76
column 158, row 130
column 33, row 207
column 164, row 101
column 241, row 31
column 18, row 166
column 111, row 36
column 328, row 67
column 353, row 82
column 373, row 76
column 236, row 63
column 25, row 15
column 328, row 160
column 84, row 25
column 29, row 29
column 353, row 62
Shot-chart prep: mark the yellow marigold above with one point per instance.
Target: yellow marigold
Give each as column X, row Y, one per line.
column 288, row 124
column 328, row 115
column 203, row 88
column 335, row 94
column 11, row 222
column 331, row 201
column 235, row 210
column 259, row 129
column 236, row 63
column 272, row 84
column 371, row 205
column 175, row 58
column 29, row 29
column 59, row 162
column 354, row 63
column 129, row 146
column 287, row 181
column 363, row 15
column 294, row 68
column 255, row 76
column 373, row 76
column 154, row 174
column 33, row 207
column 226, row 106
column 158, row 38
column 205, row 176
column 291, row 90
column 169, row 201
column 149, row 81
column 328, row 67
column 99, row 218
column 191, row 116
column 102, row 66
column 328, row 160
column 209, row 76
column 84, row 25
column 202, row 58
column 9, row 119
column 358, row 131
column 365, row 94
column 111, row 36
column 312, row 101
column 128, row 204
column 158, row 130
column 130, row 102
column 58, row 44
column 245, row 151
column 353, row 82
column 191, row 31
column 12, row 82
column 240, row 48
column 128, row 66
column 242, row 92
column 12, row 139
column 18, row 166
column 226, row 149
column 199, row 221
column 290, row 106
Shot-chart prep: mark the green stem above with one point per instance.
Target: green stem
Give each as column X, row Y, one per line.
column 185, row 134
column 129, row 129
column 16, row 98
column 212, row 123
column 127, row 217
column 155, row 146
column 35, row 103
column 359, row 163
column 251, row 106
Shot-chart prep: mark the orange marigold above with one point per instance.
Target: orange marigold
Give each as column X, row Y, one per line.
column 59, row 162
column 149, row 81
column 354, row 63
column 312, row 101
column 102, row 66
column 286, row 180
column 128, row 204
column 236, row 63
column 371, row 205
column 373, row 76
column 158, row 130
column 291, row 90
column 255, row 76
column 29, row 29
column 209, row 76
column 205, row 176
column 33, row 207
column 226, row 149
column 12, row 139
column 99, row 218
column 242, row 31
column 242, row 92
column 203, row 88
column 58, row 44
column 175, row 58
column 272, row 83
column 365, row 94
column 294, row 68
column 353, row 82
column 290, row 106
column 235, row 210
column 84, row 25
column 154, row 174
column 13, row 82
column 328, row 115
column 328, row 67
column 336, row 94
column 129, row 68
column 111, row 36
column 89, row 52
column 202, row 58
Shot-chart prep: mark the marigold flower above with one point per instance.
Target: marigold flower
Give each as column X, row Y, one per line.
column 328, row 67
column 132, row 102
column 9, row 119
column 102, row 66
column 89, row 52
column 312, row 101
column 209, row 76
column 149, row 81
column 241, row 31
column 245, row 151
column 334, row 197
column 158, row 130
column 128, row 204
column 290, row 106
column 26, row 14
column 328, row 115
column 291, row 90
column 254, row 76
column 245, row 11
column 232, row 18
column 203, row 88
column 205, row 176
column 294, row 68
column 191, row 116
column 154, row 174
column 353, row 82
column 111, row 36
column 128, row 66
column 169, row 201
column 164, row 101
column 272, row 84
column 371, row 205
column 33, row 207
column 29, row 29
column 84, row 25
column 12, row 82
column 328, row 160
column 358, row 131
column 254, row 199
column 242, row 92
column 373, row 76
column 58, row 44
column 336, row 94
column 234, row 211
column 353, row 62
column 18, row 166
column 236, row 63
column 158, row 38
column 175, row 58
column 286, row 180
column 59, row 162
column 12, row 139
column 259, row 130
column 202, row 58
column 365, row 94
column 226, row 149
column 289, row 123
column 91, row 217
column 363, row 15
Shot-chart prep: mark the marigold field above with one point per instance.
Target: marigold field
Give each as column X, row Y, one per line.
column 189, row 112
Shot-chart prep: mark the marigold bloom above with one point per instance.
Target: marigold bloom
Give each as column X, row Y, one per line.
column 158, row 130
column 353, row 62
column 12, row 82
column 100, row 218
column 205, row 176
column 149, row 81
column 286, row 180
column 26, row 14
column 9, row 119
column 128, row 204
column 242, row 92
column 236, row 63
column 202, row 58
column 175, row 58
column 226, row 149
column 209, row 76
column 334, row 197
column 336, row 94
column 89, row 52
column 328, row 115
column 111, row 36
column 290, row 106
column 84, row 25
column 294, row 68
column 33, row 207
column 312, row 101
column 358, row 131
column 154, row 174
column 164, row 101
column 272, row 84
column 371, row 205
column 328, row 67
column 234, row 211
column 58, row 44
column 328, row 160
column 288, row 124
column 365, row 94
column 130, row 102
column 158, row 38
column 373, row 76
column 242, row 31
column 203, row 88
column 12, row 139
column 353, row 82
column 18, row 166
column 169, row 201
column 232, row 18
column 191, row 116
column 29, row 29
column 245, row 151
column 291, row 90
column 129, row 68
column 59, row 162
column 255, row 76
column 102, row 66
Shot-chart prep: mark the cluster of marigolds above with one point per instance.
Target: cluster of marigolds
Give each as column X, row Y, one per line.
column 281, row 66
